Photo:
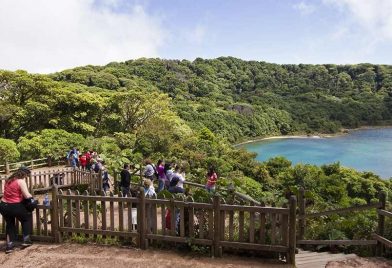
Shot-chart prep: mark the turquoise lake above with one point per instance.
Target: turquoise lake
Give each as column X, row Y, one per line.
column 364, row 150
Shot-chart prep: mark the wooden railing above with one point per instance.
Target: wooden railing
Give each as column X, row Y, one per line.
column 377, row 239
column 146, row 220
column 33, row 163
column 64, row 178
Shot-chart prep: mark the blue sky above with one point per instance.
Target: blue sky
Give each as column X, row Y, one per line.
column 51, row 35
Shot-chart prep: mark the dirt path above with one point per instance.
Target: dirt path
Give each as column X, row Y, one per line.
column 361, row 263
column 78, row 256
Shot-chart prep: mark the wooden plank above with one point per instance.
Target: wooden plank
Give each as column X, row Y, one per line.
column 285, row 229
column 384, row 212
column 262, row 247
column 45, row 216
column 163, row 219
column 191, row 222
column 101, row 198
column 241, row 226
column 262, row 228
column 103, row 212
column 251, row 226
column 38, row 220
column 155, row 219
column 121, row 215
column 231, row 225
column 61, row 211
column 201, row 224
column 341, row 210
column 172, row 218
column 130, row 224
column 179, row 239
column 77, row 210
column 337, row 242
column 211, row 224
column 86, row 212
column 99, row 232
column 255, row 209
column 111, row 213
column 182, row 221
column 382, row 240
column 273, row 228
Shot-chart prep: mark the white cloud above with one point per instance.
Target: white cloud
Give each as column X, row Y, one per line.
column 51, row 35
column 197, row 35
column 374, row 17
column 304, row 8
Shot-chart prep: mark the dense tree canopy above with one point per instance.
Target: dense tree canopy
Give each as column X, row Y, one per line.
column 191, row 112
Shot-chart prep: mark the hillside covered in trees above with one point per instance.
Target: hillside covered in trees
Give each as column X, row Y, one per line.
column 192, row 112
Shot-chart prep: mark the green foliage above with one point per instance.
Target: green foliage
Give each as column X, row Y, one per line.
column 8, row 150
column 191, row 113
column 49, row 142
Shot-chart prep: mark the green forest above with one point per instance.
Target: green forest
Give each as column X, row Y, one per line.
column 193, row 113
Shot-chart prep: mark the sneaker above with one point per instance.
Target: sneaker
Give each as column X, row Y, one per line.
column 26, row 243
column 9, row 249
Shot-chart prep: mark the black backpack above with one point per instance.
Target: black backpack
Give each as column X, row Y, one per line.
column 174, row 181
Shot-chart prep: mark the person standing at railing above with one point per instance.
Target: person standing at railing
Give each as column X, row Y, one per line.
column 12, row 206
column 125, row 180
column 83, row 161
column 161, row 175
column 211, row 179
column 177, row 181
column 150, row 171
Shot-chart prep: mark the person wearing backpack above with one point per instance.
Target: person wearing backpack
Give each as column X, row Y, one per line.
column 125, row 181
column 105, row 179
column 177, row 182
column 150, row 172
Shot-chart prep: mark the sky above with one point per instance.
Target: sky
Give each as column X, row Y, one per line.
column 44, row 36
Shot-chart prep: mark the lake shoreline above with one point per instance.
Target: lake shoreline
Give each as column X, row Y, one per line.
column 343, row 131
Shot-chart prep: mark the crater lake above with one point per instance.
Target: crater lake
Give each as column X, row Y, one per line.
column 363, row 150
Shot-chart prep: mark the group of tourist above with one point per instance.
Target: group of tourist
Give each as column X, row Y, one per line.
column 89, row 161
column 169, row 176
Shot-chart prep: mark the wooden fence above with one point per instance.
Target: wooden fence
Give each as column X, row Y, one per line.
column 33, row 163
column 377, row 238
column 64, row 178
column 146, row 221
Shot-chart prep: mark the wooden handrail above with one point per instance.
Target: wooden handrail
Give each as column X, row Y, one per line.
column 340, row 210
column 382, row 240
column 384, row 212
column 337, row 242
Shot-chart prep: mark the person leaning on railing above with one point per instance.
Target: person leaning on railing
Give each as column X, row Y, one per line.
column 12, row 206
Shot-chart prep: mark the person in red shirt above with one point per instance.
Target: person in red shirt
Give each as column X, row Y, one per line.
column 83, row 161
column 212, row 178
column 11, row 207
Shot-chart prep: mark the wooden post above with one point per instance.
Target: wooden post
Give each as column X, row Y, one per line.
column 141, row 174
column 292, row 231
column 49, row 161
column 301, row 221
column 381, row 223
column 99, row 180
column 55, row 215
column 216, row 249
column 141, row 225
column 31, row 183
column 115, row 186
column 7, row 167
column 32, row 164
